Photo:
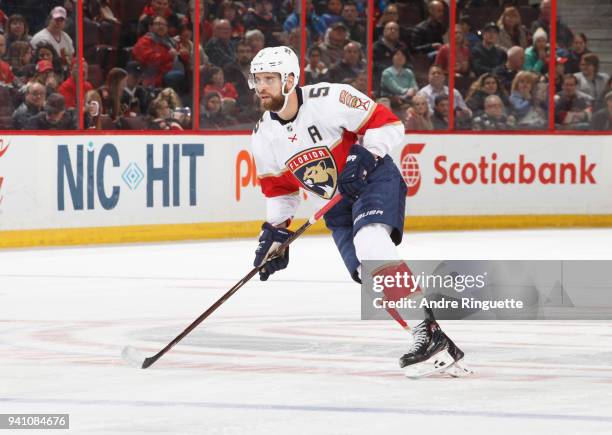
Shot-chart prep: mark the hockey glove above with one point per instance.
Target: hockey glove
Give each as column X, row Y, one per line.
column 271, row 238
column 359, row 164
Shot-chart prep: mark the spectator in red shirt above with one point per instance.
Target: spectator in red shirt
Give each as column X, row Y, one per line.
column 228, row 10
column 3, row 21
column 44, row 74
column 214, row 81
column 158, row 8
column 462, row 55
column 69, row 87
column 156, row 51
column 45, row 51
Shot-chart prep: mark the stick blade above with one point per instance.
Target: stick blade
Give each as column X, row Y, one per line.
column 148, row 362
column 133, row 357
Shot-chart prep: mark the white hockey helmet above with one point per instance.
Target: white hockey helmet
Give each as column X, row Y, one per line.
column 280, row 60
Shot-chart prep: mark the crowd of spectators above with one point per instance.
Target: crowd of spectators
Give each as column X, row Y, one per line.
column 411, row 56
column 135, row 53
column 143, row 52
column 502, row 56
column 37, row 64
column 582, row 100
column 233, row 32
column 139, row 60
column 500, row 68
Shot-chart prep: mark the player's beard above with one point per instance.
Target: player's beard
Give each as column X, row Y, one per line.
column 274, row 104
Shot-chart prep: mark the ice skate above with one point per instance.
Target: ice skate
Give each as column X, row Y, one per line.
column 432, row 352
column 459, row 369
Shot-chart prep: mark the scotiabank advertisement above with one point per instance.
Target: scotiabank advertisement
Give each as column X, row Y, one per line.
column 506, row 175
column 73, row 181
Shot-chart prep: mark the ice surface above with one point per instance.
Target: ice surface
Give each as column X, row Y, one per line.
column 288, row 356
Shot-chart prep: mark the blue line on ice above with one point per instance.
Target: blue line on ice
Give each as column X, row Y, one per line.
column 311, row 408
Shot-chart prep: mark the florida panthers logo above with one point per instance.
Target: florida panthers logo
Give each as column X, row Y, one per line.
column 316, row 169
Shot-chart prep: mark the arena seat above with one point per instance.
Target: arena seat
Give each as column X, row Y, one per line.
column 6, row 122
column 132, row 10
column 462, row 84
column 134, row 123
column 7, row 107
column 95, row 75
column 528, row 15
column 90, row 39
column 409, row 14
column 420, row 68
column 106, row 122
column 480, row 16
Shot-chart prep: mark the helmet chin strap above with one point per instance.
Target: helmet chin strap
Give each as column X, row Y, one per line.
column 286, row 95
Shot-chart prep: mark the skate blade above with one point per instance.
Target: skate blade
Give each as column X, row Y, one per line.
column 459, row 370
column 438, row 363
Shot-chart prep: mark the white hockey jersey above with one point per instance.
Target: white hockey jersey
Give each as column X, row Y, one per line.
column 309, row 151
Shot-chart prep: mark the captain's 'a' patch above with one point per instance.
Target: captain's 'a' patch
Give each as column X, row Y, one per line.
column 316, row 169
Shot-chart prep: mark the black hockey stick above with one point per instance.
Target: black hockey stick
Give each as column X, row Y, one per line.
column 132, row 355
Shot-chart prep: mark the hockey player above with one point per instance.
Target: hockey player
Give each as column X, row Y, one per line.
column 308, row 139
